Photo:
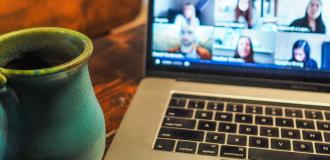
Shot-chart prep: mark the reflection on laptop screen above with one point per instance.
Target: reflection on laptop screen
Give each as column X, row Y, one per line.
column 275, row 34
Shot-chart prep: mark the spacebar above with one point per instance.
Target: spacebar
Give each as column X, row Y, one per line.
column 259, row 154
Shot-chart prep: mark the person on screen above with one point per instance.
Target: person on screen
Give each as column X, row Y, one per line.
column 313, row 18
column 189, row 16
column 244, row 49
column 189, row 46
column 301, row 53
column 244, row 12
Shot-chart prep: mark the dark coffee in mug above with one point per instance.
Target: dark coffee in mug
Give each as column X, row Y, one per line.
column 30, row 61
column 39, row 50
column 39, row 59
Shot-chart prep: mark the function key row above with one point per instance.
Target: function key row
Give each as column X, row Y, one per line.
column 248, row 108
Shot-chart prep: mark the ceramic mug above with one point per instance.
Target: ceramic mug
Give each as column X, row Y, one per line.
column 50, row 112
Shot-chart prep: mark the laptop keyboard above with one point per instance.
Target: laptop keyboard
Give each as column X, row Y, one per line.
column 243, row 129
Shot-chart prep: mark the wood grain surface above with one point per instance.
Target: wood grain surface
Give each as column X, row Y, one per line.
column 116, row 70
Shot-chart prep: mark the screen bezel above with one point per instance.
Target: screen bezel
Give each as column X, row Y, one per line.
column 307, row 80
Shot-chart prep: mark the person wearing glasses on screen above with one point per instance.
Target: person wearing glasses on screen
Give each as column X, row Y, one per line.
column 244, row 13
column 189, row 16
column 313, row 18
column 301, row 53
column 244, row 49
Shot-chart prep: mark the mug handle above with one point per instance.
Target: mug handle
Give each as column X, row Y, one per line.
column 8, row 114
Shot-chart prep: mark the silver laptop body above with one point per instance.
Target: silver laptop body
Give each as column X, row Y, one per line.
column 278, row 105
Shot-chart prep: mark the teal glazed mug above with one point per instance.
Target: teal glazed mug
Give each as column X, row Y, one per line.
column 48, row 109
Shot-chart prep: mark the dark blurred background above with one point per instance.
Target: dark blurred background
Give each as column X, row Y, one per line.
column 92, row 17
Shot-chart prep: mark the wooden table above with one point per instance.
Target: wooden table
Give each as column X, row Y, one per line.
column 116, row 70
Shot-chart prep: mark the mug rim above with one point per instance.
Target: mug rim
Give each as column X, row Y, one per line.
column 79, row 60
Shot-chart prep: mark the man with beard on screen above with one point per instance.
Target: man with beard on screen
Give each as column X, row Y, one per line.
column 189, row 45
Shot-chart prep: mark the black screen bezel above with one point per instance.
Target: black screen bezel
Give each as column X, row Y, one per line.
column 271, row 77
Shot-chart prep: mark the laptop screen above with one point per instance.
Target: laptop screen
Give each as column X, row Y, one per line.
column 255, row 37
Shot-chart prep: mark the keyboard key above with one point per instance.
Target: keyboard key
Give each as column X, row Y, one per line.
column 235, row 107
column 186, row 147
column 327, row 137
column 305, row 124
column 217, row 106
column 325, row 126
column 208, row 149
column 254, row 109
column 248, row 129
column 204, row 115
column 303, row 146
column 313, row 115
column 226, row 117
column 262, row 154
column 269, row 132
column 258, row 142
column 228, row 127
column 327, row 115
column 196, row 104
column 281, row 144
column 178, row 102
column 284, row 122
column 174, row 112
column 295, row 113
column 237, row 140
column 215, row 138
column 179, row 123
column 243, row 118
column 290, row 133
column 264, row 120
column 233, row 152
column 181, row 134
column 311, row 135
column 164, row 145
column 207, row 125
column 273, row 111
column 322, row 148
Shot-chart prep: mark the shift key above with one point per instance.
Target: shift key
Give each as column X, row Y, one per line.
column 181, row 134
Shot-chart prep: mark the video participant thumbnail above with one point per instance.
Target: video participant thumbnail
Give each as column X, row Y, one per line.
column 310, row 16
column 185, row 42
column 237, row 13
column 184, row 12
column 243, row 46
column 298, row 50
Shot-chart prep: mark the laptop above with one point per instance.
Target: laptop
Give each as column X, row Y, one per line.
column 229, row 80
